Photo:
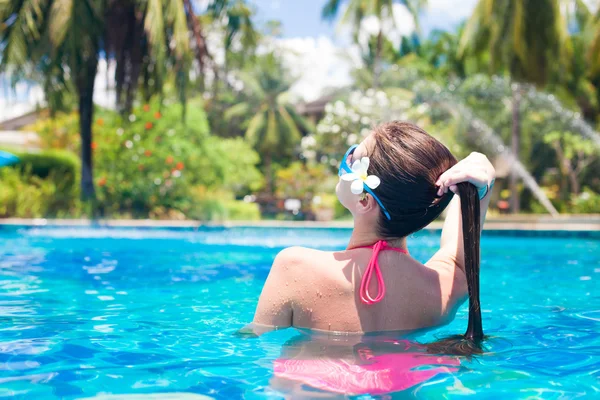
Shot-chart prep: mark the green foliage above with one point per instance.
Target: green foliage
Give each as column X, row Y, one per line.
column 303, row 181
column 572, row 145
column 587, row 202
column 24, row 195
column 525, row 39
column 149, row 162
column 219, row 205
column 272, row 125
column 154, row 158
column 235, row 164
column 57, row 40
column 235, row 18
column 357, row 10
column 348, row 122
column 61, row 131
column 59, row 165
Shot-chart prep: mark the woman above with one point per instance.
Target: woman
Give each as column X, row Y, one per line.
column 394, row 183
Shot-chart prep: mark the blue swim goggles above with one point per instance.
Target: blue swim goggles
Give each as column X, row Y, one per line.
column 345, row 168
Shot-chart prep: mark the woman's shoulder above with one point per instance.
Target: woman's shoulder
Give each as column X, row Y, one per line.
column 296, row 255
column 310, row 265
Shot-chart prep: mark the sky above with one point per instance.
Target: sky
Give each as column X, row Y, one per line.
column 301, row 18
column 320, row 53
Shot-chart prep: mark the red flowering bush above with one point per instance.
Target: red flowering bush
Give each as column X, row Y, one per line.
column 153, row 159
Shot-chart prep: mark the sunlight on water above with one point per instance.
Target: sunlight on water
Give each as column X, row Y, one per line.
column 101, row 313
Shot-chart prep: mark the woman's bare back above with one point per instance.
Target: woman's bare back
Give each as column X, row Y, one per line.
column 321, row 291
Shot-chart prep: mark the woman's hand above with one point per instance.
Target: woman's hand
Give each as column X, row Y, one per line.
column 476, row 169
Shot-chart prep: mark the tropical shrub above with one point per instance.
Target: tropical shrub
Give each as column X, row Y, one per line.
column 24, row 195
column 219, row 205
column 62, row 166
column 587, row 202
column 347, row 122
column 60, row 132
column 155, row 156
column 147, row 162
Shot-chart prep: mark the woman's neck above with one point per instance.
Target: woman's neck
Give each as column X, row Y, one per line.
column 365, row 237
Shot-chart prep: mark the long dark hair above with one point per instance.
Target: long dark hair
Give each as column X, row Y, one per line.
column 409, row 161
column 471, row 342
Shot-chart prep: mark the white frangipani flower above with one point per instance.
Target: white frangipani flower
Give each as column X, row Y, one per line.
column 359, row 176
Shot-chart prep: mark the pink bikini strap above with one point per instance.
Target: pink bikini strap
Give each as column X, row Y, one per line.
column 374, row 266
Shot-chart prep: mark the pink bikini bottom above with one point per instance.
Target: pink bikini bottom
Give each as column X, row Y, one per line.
column 376, row 375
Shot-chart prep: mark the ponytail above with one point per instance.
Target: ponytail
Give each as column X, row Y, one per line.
column 471, row 342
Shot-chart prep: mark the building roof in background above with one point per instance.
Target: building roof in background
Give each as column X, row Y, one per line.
column 17, row 122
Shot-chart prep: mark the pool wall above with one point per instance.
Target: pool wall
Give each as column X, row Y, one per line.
column 585, row 226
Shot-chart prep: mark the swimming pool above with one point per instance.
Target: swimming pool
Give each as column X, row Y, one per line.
column 93, row 311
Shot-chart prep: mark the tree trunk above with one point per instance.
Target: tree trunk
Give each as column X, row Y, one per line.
column 134, row 69
column 564, row 168
column 269, row 174
column 85, row 89
column 516, row 133
column 377, row 61
column 194, row 26
column 575, row 189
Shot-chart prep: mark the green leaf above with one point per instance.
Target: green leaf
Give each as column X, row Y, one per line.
column 60, row 20
column 254, row 127
column 154, row 25
column 271, row 133
column 176, row 18
column 295, row 134
column 238, row 110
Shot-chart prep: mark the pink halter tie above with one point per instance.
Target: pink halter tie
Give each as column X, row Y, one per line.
column 374, row 266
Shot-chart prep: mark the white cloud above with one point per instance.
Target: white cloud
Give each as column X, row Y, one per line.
column 319, row 63
column 451, row 11
column 402, row 24
column 316, row 63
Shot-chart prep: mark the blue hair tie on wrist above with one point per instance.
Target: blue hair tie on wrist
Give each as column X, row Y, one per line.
column 484, row 190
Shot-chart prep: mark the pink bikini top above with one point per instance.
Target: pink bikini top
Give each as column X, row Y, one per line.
column 373, row 266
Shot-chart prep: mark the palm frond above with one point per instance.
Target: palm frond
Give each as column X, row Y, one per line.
column 292, row 127
column 238, row 110
column 594, row 51
column 270, row 141
column 175, row 15
column 583, row 15
column 60, row 20
column 254, row 127
column 330, row 10
column 303, row 123
column 154, row 25
column 474, row 27
column 518, row 33
column 21, row 28
column 251, row 84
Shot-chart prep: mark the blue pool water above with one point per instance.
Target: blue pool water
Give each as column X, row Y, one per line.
column 88, row 312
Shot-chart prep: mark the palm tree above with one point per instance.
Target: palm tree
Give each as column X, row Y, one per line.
column 583, row 81
column 439, row 52
column 236, row 16
column 272, row 124
column 358, row 10
column 589, row 25
column 62, row 40
column 238, row 26
column 137, row 35
column 194, row 26
column 364, row 76
column 524, row 39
